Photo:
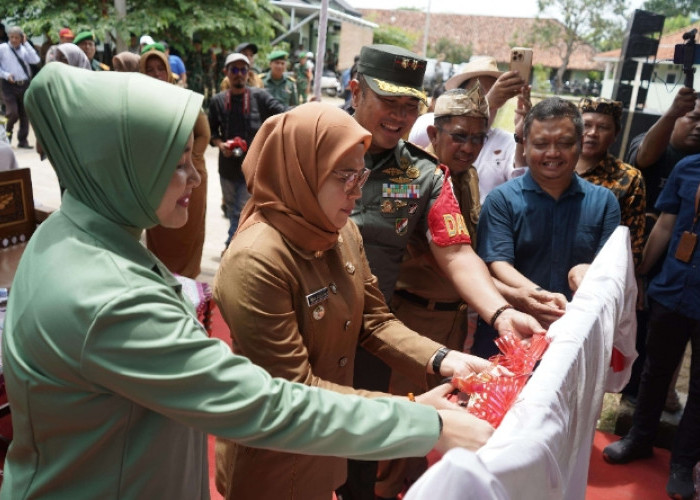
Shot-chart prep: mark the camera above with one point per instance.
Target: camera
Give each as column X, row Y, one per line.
column 686, row 55
column 237, row 146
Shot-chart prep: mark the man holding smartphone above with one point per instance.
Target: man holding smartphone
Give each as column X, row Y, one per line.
column 496, row 163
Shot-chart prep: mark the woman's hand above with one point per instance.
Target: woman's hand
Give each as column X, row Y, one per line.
column 462, row 429
column 437, row 398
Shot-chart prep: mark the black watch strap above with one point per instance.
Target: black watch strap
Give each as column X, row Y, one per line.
column 437, row 360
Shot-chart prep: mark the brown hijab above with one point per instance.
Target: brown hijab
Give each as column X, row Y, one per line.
column 160, row 55
column 126, row 62
column 291, row 157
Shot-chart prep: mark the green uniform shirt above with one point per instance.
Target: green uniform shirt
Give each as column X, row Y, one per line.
column 403, row 185
column 284, row 89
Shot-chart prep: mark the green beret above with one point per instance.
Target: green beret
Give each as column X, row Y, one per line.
column 84, row 35
column 153, row 46
column 277, row 54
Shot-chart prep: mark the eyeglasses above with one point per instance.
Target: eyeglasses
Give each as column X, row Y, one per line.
column 352, row 179
column 236, row 70
column 473, row 139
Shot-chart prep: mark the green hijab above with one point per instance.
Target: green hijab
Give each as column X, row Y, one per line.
column 114, row 139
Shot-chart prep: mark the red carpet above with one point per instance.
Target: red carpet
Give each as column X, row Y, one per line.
column 640, row 480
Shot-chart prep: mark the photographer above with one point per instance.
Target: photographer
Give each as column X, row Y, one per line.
column 235, row 115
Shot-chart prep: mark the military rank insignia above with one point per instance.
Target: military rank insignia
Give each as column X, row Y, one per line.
column 400, row 190
column 402, row 226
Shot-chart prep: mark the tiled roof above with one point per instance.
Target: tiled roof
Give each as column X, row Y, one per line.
column 487, row 35
column 667, row 45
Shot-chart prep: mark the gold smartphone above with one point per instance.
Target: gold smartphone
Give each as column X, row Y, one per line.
column 521, row 61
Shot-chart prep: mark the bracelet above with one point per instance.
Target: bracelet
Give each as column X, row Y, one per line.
column 411, row 397
column 498, row 312
column 437, row 360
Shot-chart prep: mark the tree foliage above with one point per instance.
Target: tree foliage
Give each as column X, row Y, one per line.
column 676, row 23
column 600, row 23
column 218, row 22
column 393, row 35
column 446, row 50
column 673, row 8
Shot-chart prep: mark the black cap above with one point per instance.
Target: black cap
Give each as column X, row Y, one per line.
column 392, row 71
column 246, row 45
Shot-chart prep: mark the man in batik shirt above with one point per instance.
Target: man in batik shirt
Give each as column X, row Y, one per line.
column 601, row 124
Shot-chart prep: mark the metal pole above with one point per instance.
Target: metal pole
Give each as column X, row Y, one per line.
column 120, row 7
column 426, row 31
column 320, row 48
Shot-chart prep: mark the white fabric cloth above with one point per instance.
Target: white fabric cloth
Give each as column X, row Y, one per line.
column 542, row 448
column 495, row 162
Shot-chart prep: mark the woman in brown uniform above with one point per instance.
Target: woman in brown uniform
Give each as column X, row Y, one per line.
column 296, row 290
column 181, row 249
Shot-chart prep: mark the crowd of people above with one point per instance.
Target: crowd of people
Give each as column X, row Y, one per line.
column 358, row 271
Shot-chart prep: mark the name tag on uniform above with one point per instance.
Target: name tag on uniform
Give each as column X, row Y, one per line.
column 400, row 191
column 317, row 297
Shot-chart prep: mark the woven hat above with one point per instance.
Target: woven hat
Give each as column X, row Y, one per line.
column 483, row 66
column 460, row 102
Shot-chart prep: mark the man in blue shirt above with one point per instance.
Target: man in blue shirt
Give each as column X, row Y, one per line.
column 539, row 233
column 177, row 66
column 674, row 318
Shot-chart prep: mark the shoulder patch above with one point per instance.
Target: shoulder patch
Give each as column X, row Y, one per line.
column 446, row 225
column 420, row 152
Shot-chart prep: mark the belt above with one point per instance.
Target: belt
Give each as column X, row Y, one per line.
column 431, row 305
column 18, row 82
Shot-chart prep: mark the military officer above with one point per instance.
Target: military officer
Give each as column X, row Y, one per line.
column 86, row 41
column 408, row 195
column 425, row 298
column 280, row 85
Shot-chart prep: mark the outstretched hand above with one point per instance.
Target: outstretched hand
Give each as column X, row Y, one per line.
column 518, row 324
column 462, row 429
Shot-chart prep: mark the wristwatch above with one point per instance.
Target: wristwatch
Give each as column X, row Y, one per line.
column 517, row 138
column 437, row 360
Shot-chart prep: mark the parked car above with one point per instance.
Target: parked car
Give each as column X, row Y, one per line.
column 330, row 84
